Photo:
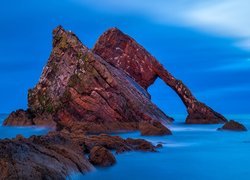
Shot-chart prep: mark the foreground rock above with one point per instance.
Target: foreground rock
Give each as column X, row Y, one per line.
column 45, row 157
column 126, row 54
column 115, row 143
column 78, row 89
column 56, row 155
column 233, row 126
column 100, row 156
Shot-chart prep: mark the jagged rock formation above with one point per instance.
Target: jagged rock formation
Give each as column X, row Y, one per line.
column 233, row 126
column 125, row 53
column 78, row 87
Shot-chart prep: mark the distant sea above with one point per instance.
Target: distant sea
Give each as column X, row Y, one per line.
column 193, row 152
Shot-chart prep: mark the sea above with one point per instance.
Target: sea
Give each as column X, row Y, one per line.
column 193, row 152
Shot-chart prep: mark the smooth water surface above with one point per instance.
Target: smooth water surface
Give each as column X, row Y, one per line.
column 11, row 132
column 195, row 152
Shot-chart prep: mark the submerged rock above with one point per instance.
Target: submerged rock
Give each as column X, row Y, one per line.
column 100, row 156
column 125, row 53
column 233, row 126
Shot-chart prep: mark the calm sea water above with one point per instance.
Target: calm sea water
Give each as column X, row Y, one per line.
column 11, row 132
column 195, row 152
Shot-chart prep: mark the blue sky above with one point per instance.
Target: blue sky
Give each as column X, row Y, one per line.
column 204, row 43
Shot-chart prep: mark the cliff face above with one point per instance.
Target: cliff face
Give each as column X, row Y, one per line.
column 125, row 53
column 77, row 88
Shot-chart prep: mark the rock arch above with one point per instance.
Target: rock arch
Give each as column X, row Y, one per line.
column 125, row 53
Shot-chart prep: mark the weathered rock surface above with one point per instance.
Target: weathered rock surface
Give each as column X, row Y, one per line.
column 19, row 118
column 125, row 53
column 56, row 155
column 233, row 126
column 100, row 156
column 115, row 143
column 79, row 88
column 41, row 157
column 154, row 128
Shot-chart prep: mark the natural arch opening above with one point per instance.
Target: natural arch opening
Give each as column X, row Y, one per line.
column 167, row 100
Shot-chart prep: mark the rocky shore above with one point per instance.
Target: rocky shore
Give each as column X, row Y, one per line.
column 84, row 93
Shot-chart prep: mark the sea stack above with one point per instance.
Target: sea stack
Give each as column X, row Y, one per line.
column 79, row 90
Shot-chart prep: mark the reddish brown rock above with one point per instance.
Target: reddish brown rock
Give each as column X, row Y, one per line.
column 153, row 129
column 233, row 126
column 79, row 89
column 125, row 53
column 19, row 118
column 100, row 156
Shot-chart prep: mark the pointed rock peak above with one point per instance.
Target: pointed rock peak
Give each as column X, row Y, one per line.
column 113, row 30
column 113, row 36
column 63, row 38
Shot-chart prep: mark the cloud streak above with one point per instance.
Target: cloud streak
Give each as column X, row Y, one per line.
column 224, row 18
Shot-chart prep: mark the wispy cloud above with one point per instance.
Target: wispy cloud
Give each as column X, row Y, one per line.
column 224, row 17
column 237, row 66
column 217, row 92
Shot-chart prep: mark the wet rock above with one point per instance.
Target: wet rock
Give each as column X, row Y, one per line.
column 100, row 156
column 19, row 118
column 159, row 145
column 125, row 53
column 154, row 128
column 41, row 157
column 233, row 126
column 115, row 143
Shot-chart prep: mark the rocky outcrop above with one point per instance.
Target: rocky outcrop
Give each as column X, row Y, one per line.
column 41, row 157
column 125, row 53
column 56, row 155
column 154, row 128
column 100, row 156
column 19, row 118
column 114, row 143
column 79, row 89
column 233, row 126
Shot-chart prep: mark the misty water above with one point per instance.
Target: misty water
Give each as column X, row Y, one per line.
column 192, row 152
column 11, row 132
